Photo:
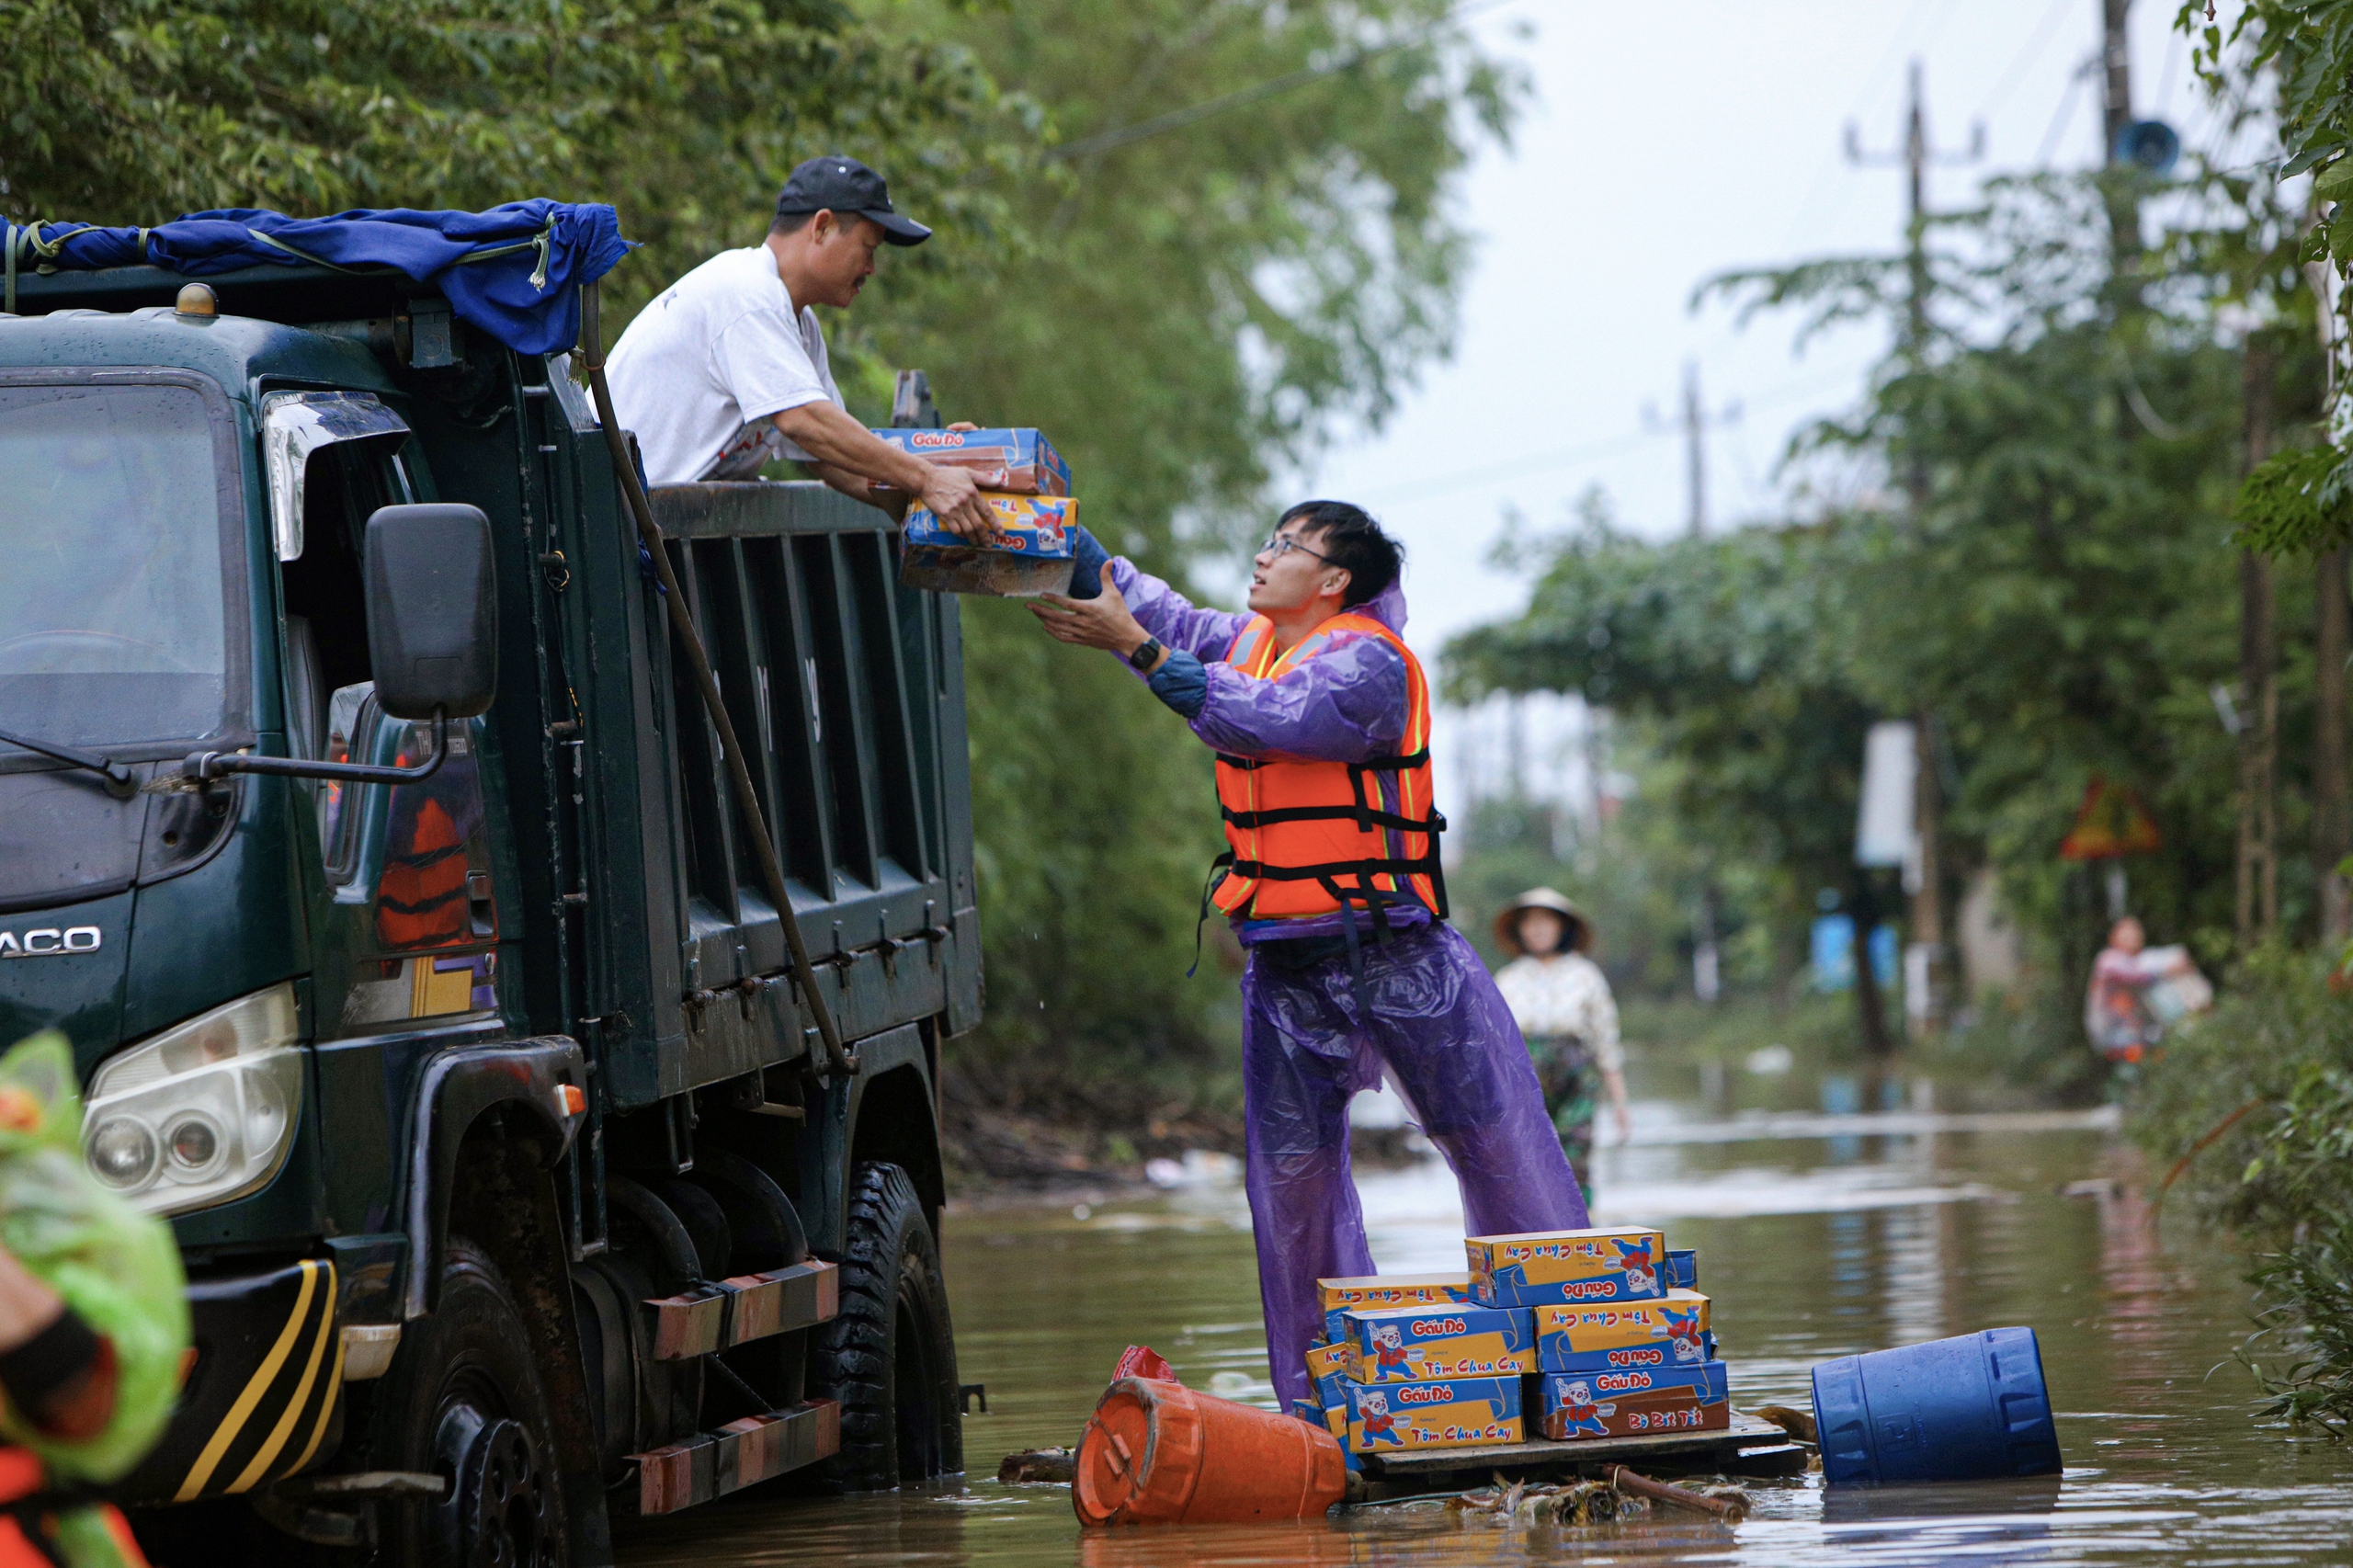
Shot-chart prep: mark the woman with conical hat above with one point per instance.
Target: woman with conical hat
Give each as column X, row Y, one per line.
column 1566, row 1014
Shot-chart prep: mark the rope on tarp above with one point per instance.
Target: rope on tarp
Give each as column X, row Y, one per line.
column 21, row 239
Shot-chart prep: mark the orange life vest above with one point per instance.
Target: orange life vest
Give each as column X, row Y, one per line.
column 30, row 1536
column 1309, row 837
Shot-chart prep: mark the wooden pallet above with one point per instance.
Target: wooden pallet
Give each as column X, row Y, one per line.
column 1750, row 1444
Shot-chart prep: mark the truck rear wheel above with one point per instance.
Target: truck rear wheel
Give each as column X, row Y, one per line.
column 464, row 1401
column 889, row 1357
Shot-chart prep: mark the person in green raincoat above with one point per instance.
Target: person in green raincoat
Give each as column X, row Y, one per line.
column 1561, row 1002
column 93, row 1327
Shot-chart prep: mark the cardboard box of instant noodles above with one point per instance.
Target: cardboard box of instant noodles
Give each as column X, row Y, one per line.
column 1031, row 555
column 1021, row 462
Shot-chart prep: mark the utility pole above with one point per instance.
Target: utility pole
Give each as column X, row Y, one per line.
column 2332, row 810
column 2258, row 731
column 1924, row 961
column 2123, row 212
column 1694, row 422
column 2331, row 813
column 1695, row 453
column 1515, row 749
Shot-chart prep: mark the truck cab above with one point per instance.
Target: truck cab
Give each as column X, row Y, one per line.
column 514, row 1191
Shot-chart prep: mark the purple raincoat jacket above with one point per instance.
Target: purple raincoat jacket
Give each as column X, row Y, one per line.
column 1344, row 701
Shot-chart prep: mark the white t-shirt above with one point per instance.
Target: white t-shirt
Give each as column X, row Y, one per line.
column 701, row 370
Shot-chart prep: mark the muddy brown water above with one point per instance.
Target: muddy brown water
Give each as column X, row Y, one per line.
column 1819, row 1235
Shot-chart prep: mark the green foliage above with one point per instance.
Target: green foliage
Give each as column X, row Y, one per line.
column 2304, row 48
column 2299, row 55
column 2295, row 503
column 2060, row 605
column 1726, row 649
column 1816, row 1027
column 2058, row 600
column 1097, row 820
column 1185, row 314
column 1189, row 312
column 2277, row 1055
column 683, row 114
column 1639, row 877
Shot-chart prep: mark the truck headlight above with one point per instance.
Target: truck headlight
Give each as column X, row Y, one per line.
column 201, row 1113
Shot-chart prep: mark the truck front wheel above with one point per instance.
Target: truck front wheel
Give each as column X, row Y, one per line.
column 889, row 1357
column 464, row 1401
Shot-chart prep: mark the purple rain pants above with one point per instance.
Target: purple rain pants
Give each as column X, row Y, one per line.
column 1449, row 1045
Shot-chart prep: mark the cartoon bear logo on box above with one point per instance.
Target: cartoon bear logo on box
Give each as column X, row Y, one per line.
column 1379, row 1426
column 1550, row 1268
column 1683, row 1332
column 1579, row 1415
column 1411, row 1343
column 1640, row 1265
column 1635, row 1402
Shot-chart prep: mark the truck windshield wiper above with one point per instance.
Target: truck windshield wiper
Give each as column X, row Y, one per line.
column 120, row 784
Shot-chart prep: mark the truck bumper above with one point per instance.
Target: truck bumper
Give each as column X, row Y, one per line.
column 260, row 1392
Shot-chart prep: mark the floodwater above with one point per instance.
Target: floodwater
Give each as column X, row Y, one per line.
column 1819, row 1234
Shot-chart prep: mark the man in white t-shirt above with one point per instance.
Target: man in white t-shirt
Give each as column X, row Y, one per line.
column 726, row 370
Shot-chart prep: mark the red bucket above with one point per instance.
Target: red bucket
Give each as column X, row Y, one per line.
column 1160, row 1453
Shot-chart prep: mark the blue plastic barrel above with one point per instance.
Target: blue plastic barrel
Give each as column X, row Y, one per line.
column 1964, row 1409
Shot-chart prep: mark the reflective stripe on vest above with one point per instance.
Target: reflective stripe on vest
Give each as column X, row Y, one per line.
column 1307, row 838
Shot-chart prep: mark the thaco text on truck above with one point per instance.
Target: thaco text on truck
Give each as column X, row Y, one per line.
column 363, row 827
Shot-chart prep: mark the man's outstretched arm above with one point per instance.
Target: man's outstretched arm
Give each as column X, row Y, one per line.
column 1160, row 610
column 854, row 460
column 1344, row 703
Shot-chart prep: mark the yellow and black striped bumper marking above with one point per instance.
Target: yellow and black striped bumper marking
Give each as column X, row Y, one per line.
column 309, row 1327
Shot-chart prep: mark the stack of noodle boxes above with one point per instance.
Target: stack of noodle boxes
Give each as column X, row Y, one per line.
column 1574, row 1333
column 1025, row 483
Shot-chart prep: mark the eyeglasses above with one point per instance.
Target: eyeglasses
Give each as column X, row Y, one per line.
column 1283, row 544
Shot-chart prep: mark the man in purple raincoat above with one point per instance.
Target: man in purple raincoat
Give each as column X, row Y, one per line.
column 1326, row 1009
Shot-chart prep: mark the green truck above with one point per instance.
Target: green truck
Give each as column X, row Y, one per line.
column 364, row 828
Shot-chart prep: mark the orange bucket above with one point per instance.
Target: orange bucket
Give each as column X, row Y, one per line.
column 1160, row 1453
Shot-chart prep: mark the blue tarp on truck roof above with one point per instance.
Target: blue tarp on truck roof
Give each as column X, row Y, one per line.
column 514, row 271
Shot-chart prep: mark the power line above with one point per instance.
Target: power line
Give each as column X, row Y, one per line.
column 2059, row 121
column 2164, row 83
column 1539, row 463
column 1590, row 451
column 1193, row 114
column 1800, row 222
column 2027, row 57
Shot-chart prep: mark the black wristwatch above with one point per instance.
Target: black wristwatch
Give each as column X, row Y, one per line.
column 1142, row 657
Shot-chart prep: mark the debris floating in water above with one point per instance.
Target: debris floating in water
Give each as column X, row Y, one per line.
column 1798, row 1424
column 1525, row 1504
column 1052, row 1467
column 1533, row 1504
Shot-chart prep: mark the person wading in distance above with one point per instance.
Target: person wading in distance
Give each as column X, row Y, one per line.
column 1565, row 1011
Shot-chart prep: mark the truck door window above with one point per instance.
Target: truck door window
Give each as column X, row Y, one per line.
column 416, row 856
column 326, row 612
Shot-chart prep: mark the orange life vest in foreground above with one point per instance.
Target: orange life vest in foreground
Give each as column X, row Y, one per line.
column 1309, row 837
column 35, row 1537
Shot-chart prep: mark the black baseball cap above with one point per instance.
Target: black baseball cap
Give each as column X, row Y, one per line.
column 836, row 184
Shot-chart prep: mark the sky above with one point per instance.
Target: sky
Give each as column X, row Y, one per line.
column 1662, row 144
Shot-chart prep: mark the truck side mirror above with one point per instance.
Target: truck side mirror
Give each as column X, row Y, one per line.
column 432, row 610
